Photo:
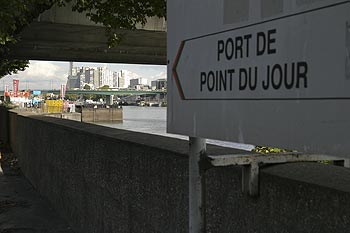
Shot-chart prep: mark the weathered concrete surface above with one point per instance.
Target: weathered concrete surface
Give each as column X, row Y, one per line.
column 300, row 197
column 4, row 125
column 108, row 180
column 101, row 184
column 74, row 116
column 22, row 209
column 101, row 114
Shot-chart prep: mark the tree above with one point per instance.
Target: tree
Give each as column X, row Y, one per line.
column 15, row 15
column 104, row 87
column 87, row 87
column 9, row 66
column 72, row 97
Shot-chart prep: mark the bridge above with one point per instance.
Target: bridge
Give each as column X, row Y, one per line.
column 62, row 35
column 108, row 92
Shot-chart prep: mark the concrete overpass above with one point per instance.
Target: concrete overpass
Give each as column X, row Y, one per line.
column 62, row 35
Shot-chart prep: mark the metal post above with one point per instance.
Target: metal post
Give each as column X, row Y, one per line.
column 197, row 147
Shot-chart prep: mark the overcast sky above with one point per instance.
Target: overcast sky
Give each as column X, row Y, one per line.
column 46, row 74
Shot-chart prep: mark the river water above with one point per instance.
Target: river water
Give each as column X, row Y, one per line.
column 152, row 120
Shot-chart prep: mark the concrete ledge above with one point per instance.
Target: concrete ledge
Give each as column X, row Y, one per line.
column 291, row 199
column 108, row 180
column 328, row 177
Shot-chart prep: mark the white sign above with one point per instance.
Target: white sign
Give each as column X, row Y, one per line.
column 280, row 80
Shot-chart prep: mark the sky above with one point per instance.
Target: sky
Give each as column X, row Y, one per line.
column 43, row 75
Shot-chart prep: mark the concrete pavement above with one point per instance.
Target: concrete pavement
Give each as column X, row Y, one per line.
column 22, row 208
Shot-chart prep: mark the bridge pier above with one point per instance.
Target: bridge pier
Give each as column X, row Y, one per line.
column 109, row 99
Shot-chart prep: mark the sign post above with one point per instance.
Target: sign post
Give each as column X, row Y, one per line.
column 197, row 148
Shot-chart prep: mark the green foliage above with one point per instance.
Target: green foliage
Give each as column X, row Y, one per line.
column 105, row 87
column 15, row 15
column 268, row 150
column 93, row 97
column 87, row 87
column 8, row 66
column 72, row 97
column 327, row 162
column 8, row 105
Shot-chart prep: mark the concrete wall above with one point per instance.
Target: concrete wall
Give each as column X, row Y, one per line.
column 108, row 180
column 74, row 116
column 101, row 114
column 4, row 125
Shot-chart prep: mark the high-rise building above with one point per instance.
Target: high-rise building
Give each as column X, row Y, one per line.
column 137, row 81
column 74, row 77
column 100, row 76
column 107, row 77
column 115, row 79
column 88, row 77
column 95, row 78
column 159, row 84
column 73, row 82
column 121, row 79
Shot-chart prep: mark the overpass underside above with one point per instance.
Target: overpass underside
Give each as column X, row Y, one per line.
column 69, row 42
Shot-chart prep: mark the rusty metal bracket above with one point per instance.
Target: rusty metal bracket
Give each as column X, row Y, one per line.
column 252, row 162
